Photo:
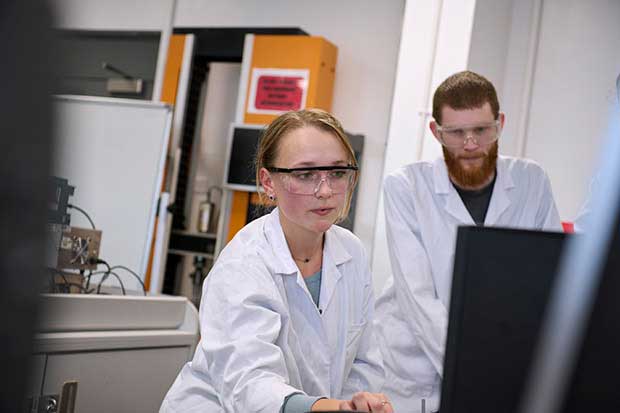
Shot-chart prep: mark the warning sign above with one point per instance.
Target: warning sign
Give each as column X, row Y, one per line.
column 279, row 93
column 275, row 91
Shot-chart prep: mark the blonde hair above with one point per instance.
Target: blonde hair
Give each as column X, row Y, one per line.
column 268, row 146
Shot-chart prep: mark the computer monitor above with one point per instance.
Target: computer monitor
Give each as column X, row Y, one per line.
column 240, row 172
column 501, row 283
column 594, row 382
column 577, row 360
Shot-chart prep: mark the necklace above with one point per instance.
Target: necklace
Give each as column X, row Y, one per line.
column 307, row 260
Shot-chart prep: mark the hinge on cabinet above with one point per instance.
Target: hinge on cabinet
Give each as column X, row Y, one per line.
column 43, row 404
column 55, row 403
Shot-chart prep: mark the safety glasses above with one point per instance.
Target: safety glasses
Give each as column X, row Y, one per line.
column 307, row 181
column 481, row 134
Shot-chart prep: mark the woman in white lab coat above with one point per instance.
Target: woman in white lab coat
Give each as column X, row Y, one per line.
column 286, row 310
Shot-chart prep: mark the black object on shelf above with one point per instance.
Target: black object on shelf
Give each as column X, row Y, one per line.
column 192, row 243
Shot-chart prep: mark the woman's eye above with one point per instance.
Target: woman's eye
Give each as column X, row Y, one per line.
column 337, row 174
column 304, row 176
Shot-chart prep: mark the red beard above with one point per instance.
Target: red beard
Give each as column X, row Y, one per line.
column 474, row 177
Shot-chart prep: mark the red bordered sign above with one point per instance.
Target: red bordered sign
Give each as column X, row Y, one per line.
column 275, row 91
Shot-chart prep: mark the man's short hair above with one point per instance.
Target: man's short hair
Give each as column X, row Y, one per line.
column 465, row 90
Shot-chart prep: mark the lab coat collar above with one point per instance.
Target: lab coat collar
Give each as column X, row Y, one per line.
column 499, row 199
column 441, row 178
column 283, row 262
column 334, row 248
column 443, row 186
column 334, row 254
column 333, row 251
column 454, row 205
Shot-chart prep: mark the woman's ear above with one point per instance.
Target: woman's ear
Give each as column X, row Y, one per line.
column 266, row 181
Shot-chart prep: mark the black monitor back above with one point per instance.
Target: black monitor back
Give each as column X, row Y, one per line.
column 501, row 284
column 594, row 384
column 25, row 163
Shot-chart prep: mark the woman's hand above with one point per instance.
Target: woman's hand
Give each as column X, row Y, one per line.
column 361, row 402
column 368, row 402
column 326, row 405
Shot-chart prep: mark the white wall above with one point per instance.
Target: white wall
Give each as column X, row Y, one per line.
column 561, row 60
column 574, row 91
column 113, row 14
column 367, row 34
column 515, row 92
column 489, row 40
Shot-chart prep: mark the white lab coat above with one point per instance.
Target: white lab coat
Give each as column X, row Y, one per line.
column 263, row 336
column 423, row 211
column 582, row 220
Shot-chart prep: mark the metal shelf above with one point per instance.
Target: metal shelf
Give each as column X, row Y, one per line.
column 190, row 253
column 208, row 235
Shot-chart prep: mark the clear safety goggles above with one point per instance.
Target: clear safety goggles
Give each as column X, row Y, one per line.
column 481, row 134
column 307, row 181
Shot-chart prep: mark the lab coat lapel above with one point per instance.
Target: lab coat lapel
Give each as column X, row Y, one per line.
column 283, row 262
column 453, row 204
column 499, row 199
column 334, row 254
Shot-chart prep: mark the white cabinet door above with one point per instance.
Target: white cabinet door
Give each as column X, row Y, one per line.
column 116, row 381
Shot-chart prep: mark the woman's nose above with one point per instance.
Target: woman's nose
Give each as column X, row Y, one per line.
column 323, row 191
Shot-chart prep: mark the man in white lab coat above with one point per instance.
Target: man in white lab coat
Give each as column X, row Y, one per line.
column 425, row 203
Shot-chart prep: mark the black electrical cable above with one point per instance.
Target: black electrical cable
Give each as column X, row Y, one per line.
column 83, row 212
column 119, row 281
column 62, row 276
column 87, row 278
column 122, row 267
column 91, row 274
column 66, row 282
column 106, row 275
column 110, row 271
column 100, row 261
